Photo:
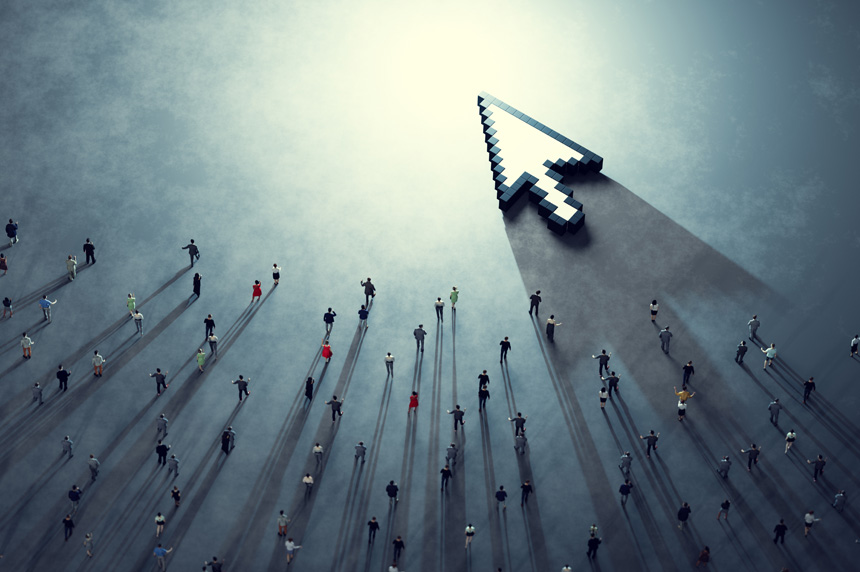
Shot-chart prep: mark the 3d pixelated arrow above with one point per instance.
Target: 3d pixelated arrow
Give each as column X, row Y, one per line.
column 534, row 167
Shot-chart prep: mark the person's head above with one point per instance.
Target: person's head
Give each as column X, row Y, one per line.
column 457, row 406
column 454, row 287
column 611, row 373
column 199, row 350
column 812, row 512
column 753, row 446
column 275, row 265
column 229, row 428
column 158, row 370
column 389, row 354
column 67, row 437
column 36, row 384
column 317, row 444
column 552, row 316
column 776, row 400
column 485, row 372
column 773, row 345
column 10, row 221
column 506, row 338
column 811, row 378
column 781, row 521
column 159, row 514
column 162, row 415
column 501, row 488
column 686, row 505
column 626, row 481
column 592, row 535
column 626, row 452
column 372, row 518
column 743, row 342
column 420, row 325
column 240, row 377
column 755, row 316
column 453, row 445
column 88, row 240
column 192, row 241
column 215, row 558
column 95, row 353
column 707, row 548
column 92, row 456
column 414, row 393
column 438, row 299
column 307, row 474
column 329, row 309
column 361, row 443
column 74, row 487
column 652, row 431
column 470, row 524
column 602, row 389
column 446, row 467
column 310, row 379
column 44, row 296
column 527, row 481
column 791, row 430
column 690, row 362
column 256, row 282
column 334, row 397
column 173, row 457
column 390, row 482
column 159, row 441
column 368, row 278
column 209, row 316
column 363, row 308
column 24, row 335
column 820, row 458
column 653, row 301
column 537, row 292
column 519, row 414
column 666, row 328
column 159, row 545
column 603, row 352
column 70, row 257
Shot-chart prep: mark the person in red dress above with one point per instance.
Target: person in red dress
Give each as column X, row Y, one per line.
column 413, row 403
column 326, row 350
column 257, row 292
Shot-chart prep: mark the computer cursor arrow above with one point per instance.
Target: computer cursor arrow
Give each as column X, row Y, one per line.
column 536, row 159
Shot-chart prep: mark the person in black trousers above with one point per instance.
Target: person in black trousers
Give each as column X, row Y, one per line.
column 819, row 467
column 335, row 407
column 603, row 363
column 779, row 531
column 593, row 544
column 483, row 379
column 369, row 291
column 446, row 476
column 742, row 350
column 519, row 422
column 506, row 347
column 483, row 396
column 527, row 489
column 535, row 302
column 63, row 377
column 90, row 251
column 161, row 450
column 70, row 526
column 209, row 322
column 399, row 545
column 193, row 251
column 458, row 416
column 652, row 442
column 196, row 286
column 808, row 388
column 243, row 386
column 611, row 382
column 688, row 373
column 373, row 527
column 752, row 456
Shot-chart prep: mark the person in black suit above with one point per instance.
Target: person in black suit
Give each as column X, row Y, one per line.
column 90, row 251
column 193, row 251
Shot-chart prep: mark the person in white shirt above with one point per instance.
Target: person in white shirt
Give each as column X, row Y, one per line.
column 389, row 364
column 308, row 480
column 26, row 344
column 769, row 354
column 440, row 305
column 654, row 308
column 470, row 533
column 98, row 362
column 855, row 343
column 318, row 453
column 291, row 549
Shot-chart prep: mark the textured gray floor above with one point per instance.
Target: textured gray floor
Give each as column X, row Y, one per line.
column 344, row 141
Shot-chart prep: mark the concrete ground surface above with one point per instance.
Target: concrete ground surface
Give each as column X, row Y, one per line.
column 343, row 141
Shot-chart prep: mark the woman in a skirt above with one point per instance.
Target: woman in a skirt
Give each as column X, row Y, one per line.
column 276, row 273
column 790, row 438
column 654, row 308
column 603, row 397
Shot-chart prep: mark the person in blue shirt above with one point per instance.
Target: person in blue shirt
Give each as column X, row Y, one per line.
column 45, row 305
column 160, row 554
column 362, row 316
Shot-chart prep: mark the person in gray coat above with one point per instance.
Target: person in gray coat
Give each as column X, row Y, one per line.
column 741, row 352
column 520, row 442
column 37, row 393
column 665, row 337
column 419, row 334
column 725, row 465
column 369, row 291
column 173, row 465
column 161, row 426
column 626, row 459
column 94, row 465
column 753, row 326
column 67, row 446
column 839, row 501
column 72, row 266
column 360, row 451
column 774, row 408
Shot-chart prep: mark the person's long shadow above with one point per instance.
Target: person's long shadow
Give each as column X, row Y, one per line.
column 490, row 486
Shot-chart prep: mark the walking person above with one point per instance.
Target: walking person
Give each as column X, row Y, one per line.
column 94, row 465
column 741, row 352
column 37, row 393
column 72, row 266
column 526, row 489
column 160, row 554
column 506, row 347
column 769, row 354
column 209, row 323
column 808, row 388
column 520, row 442
column 243, row 386
column 193, row 251
column 779, row 531
column 839, row 501
column 593, row 544
column 470, row 534
column 603, row 395
column 98, row 363
column 335, row 408
column 89, row 544
column 790, row 438
column 225, row 442
column 276, row 273
column 626, row 461
column 392, row 490
column 213, row 345
column 256, row 291
column 501, row 498
column 458, row 416
column 753, row 326
column 611, row 382
column 215, row 564
column 665, row 338
column 440, row 307
column 818, row 468
column 75, row 497
column 809, row 520
column 419, row 334
column 161, row 426
column 138, row 321
column 654, row 309
column 195, row 283
column 69, row 526
column 176, row 495
column 774, row 408
column 625, row 489
column 483, row 379
column 683, row 515
column 90, row 251
column 369, row 291
column 282, row 524
column 724, row 509
column 328, row 320
column 519, row 423
column 389, row 364
column 651, row 439
column 682, row 409
column 326, row 350
column 855, row 344
column 173, row 466
column 27, row 345
column 130, row 303
column 161, row 450
column 454, row 296
column 446, row 476
column 318, row 453
column 752, row 456
column 360, row 451
column 201, row 359
column 7, row 306
column 603, row 363
column 309, row 388
column 399, row 546
column 704, row 556
column 551, row 324
column 451, row 454
column 67, row 446
column 535, row 301
column 12, row 232
column 688, row 373
column 45, row 305
column 413, row 403
column 4, row 264
column 725, row 465
column 160, row 521
column 483, row 396
column 372, row 529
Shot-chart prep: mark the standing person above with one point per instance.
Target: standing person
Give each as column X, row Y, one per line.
column 88, row 544
column 4, row 264
column 440, row 307
column 470, row 533
column 90, row 251
column 454, row 296
column 651, row 439
column 535, row 302
column 753, row 326
column 213, row 345
column 98, row 363
column 130, row 303
column 724, row 509
column 725, row 465
column 176, row 494
column 626, row 460
column 328, row 320
column 808, row 388
column 603, row 363
column 201, row 359
column 519, row 423
column 161, row 450
column 550, row 328
column 7, row 306
column 69, row 525
column 283, row 521
column 655, row 307
column 45, row 305
column 704, row 556
column 193, row 251
column 665, row 338
column 779, row 531
column 520, row 442
column 399, row 546
column 839, row 501
column 27, row 345
column 37, row 393
column 335, row 408
column 72, row 266
column 391, row 490
column 774, row 408
column 256, row 291
column 360, row 451
column 318, row 453
column 506, row 347
column 161, row 426
column 75, row 498
column 173, row 467
column 593, row 544
column 855, row 343
column 195, row 283
column 326, row 350
column 501, row 498
column 389, row 364
column 603, row 395
column 138, row 321
column 741, row 352
column 67, row 446
column 160, row 554
column 688, row 373
column 819, row 467
column 12, row 232
column 276, row 273
column 369, row 291
column 160, row 521
column 526, row 489
column 790, row 438
column 611, row 382
column 683, row 515
column 309, row 388
column 446, row 476
column 483, row 396
column 209, row 323
column 625, row 489
column 93, row 464
column 413, row 403
column 419, row 334
column 372, row 529
column 752, row 456
column 243, row 386
column 769, row 354
column 808, row 520
column 458, row 416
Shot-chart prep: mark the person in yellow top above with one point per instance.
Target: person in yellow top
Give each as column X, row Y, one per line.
column 683, row 395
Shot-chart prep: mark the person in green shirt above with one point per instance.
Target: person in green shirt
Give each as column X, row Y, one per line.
column 130, row 303
column 201, row 357
column 455, row 295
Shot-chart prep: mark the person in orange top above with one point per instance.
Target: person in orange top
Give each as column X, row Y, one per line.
column 413, row 402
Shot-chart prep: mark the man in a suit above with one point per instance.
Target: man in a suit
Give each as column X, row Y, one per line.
column 193, row 251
